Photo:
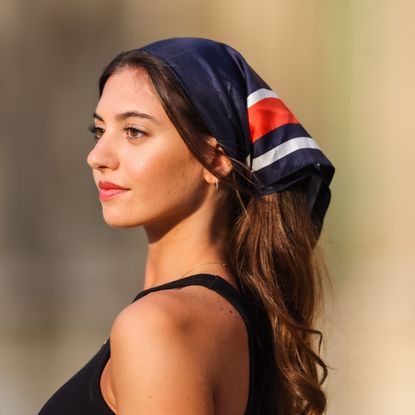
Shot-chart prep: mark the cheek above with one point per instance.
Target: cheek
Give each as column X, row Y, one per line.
column 165, row 177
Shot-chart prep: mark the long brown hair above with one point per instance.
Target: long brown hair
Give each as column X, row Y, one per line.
column 272, row 251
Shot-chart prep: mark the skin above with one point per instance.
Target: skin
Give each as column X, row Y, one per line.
column 174, row 198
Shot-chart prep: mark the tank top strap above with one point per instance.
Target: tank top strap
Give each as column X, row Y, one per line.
column 213, row 282
column 245, row 308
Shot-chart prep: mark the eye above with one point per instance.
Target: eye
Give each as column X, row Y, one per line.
column 96, row 131
column 133, row 132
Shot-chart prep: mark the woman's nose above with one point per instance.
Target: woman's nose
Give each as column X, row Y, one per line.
column 103, row 155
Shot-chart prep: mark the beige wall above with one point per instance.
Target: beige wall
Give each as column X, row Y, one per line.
column 345, row 68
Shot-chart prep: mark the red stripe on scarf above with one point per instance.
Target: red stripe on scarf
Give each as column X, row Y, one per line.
column 267, row 115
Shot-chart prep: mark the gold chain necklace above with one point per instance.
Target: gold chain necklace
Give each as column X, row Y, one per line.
column 203, row 263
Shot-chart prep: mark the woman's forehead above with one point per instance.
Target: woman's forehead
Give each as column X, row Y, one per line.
column 129, row 90
column 129, row 83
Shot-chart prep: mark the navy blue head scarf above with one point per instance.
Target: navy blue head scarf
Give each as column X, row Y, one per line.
column 247, row 118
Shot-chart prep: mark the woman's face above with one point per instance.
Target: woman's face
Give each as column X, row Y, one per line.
column 144, row 172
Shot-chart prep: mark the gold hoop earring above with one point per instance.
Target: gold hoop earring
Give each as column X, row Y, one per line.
column 217, row 184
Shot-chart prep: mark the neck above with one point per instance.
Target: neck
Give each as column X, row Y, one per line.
column 192, row 244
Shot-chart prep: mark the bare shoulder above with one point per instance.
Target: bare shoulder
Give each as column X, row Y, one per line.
column 161, row 322
column 166, row 351
column 183, row 311
column 157, row 365
column 149, row 313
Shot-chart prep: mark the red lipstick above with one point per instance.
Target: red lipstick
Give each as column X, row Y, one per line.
column 108, row 190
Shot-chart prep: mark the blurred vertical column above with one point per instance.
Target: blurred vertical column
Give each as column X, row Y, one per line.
column 52, row 53
column 372, row 330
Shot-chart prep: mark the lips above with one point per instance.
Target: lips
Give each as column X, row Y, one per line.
column 108, row 190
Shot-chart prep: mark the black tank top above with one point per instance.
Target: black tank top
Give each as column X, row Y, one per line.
column 81, row 394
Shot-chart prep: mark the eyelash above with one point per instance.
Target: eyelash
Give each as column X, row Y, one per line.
column 95, row 130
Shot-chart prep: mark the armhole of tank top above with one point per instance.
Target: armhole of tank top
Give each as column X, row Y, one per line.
column 96, row 396
column 213, row 282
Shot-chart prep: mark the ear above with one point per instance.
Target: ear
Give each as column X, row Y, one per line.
column 219, row 162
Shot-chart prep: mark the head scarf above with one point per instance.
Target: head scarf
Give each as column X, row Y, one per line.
column 247, row 118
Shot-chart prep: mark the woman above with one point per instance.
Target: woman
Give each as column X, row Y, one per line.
column 231, row 191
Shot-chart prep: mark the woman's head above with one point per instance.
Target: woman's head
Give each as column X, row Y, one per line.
column 141, row 150
column 207, row 88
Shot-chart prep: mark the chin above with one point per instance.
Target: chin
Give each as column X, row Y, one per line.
column 118, row 221
column 122, row 225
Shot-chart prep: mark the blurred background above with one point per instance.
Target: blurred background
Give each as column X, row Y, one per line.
column 345, row 68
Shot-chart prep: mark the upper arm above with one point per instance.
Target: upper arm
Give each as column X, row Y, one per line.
column 156, row 365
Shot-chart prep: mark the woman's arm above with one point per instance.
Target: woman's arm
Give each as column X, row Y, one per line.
column 157, row 364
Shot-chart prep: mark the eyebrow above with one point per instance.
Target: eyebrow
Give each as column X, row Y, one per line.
column 127, row 114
